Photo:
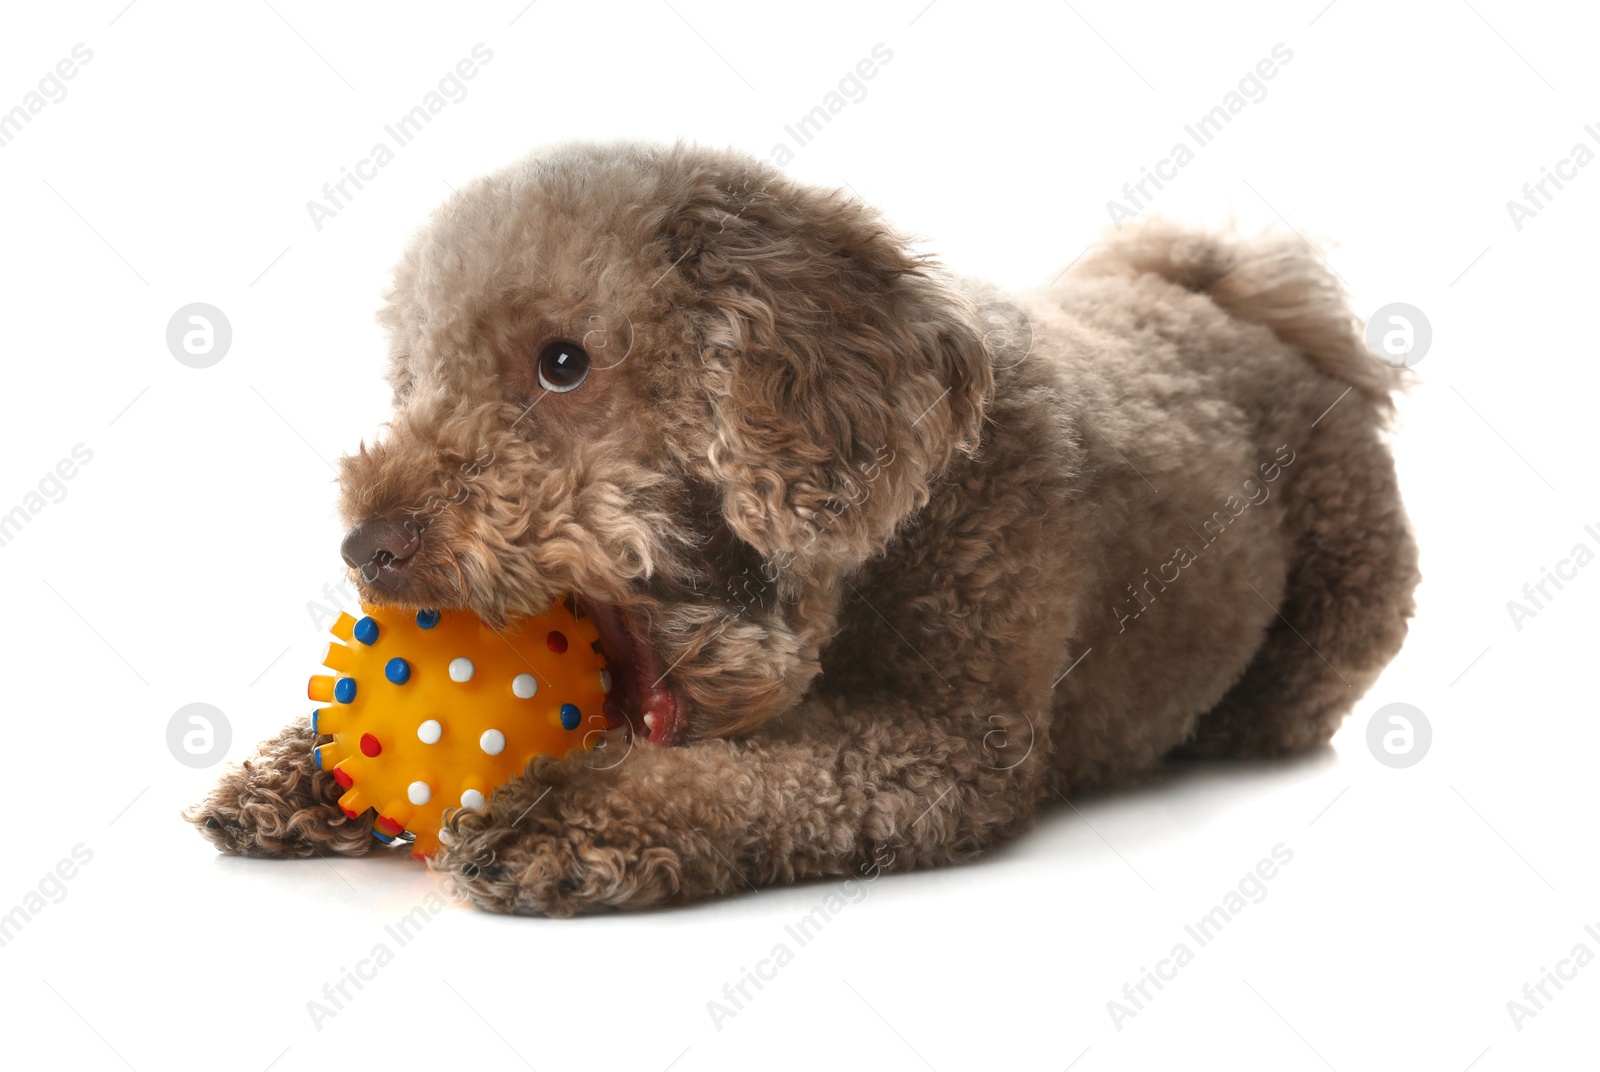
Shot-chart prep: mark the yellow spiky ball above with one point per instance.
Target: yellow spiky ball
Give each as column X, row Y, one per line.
column 431, row 710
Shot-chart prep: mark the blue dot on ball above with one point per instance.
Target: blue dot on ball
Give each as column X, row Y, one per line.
column 398, row 671
column 570, row 716
column 427, row 619
column 314, row 722
column 366, row 631
column 345, row 689
column 316, row 755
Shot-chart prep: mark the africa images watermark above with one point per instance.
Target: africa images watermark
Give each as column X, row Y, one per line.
column 337, row 995
column 1565, row 569
column 852, row 89
column 51, row 488
column 1251, row 889
column 451, row 89
column 1535, row 996
column 1537, row 194
column 738, row 994
column 1210, row 531
column 1251, row 89
column 50, row 889
column 51, row 89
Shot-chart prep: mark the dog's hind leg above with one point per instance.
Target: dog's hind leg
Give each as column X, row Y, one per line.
column 279, row 804
column 1346, row 605
column 1348, row 594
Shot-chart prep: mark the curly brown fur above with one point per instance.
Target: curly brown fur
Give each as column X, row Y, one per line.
column 914, row 556
column 278, row 804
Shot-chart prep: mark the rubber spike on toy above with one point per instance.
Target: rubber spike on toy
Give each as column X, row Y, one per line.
column 344, row 627
column 333, row 752
column 425, row 845
column 354, row 802
column 338, row 657
column 397, row 811
column 330, row 719
column 346, row 771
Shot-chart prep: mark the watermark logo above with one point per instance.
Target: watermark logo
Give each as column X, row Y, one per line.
column 1400, row 335
column 199, row 335
column 1399, row 735
column 198, row 735
column 1005, row 743
column 1007, row 335
column 1251, row 89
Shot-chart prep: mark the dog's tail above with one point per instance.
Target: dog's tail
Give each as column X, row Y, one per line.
column 1276, row 280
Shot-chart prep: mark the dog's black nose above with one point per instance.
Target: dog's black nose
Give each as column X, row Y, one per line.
column 384, row 550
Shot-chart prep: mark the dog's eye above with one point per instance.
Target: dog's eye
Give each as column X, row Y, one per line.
column 563, row 366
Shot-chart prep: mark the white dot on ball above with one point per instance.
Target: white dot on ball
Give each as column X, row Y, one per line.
column 461, row 669
column 524, row 686
column 493, row 742
column 472, row 799
column 419, row 793
column 605, row 681
column 430, row 731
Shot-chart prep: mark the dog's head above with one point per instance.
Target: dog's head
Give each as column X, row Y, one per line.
column 674, row 383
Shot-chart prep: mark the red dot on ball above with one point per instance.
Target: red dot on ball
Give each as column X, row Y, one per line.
column 370, row 745
column 342, row 778
column 350, row 812
column 557, row 641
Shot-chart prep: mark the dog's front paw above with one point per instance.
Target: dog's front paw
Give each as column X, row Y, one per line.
column 245, row 819
column 553, row 857
column 531, row 876
column 278, row 805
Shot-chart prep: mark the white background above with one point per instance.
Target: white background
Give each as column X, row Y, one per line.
column 179, row 565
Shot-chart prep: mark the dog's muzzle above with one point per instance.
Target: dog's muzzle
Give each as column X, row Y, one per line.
column 384, row 550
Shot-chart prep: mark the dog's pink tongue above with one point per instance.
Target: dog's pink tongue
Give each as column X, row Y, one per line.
column 657, row 705
column 660, row 709
column 642, row 679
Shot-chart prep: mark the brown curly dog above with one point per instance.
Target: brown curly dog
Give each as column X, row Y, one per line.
column 886, row 560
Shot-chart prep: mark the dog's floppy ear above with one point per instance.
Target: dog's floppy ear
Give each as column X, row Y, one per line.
column 844, row 372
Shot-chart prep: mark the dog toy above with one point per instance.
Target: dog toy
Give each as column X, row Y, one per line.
column 430, row 710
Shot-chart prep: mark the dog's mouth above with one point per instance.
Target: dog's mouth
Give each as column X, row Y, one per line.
column 640, row 697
